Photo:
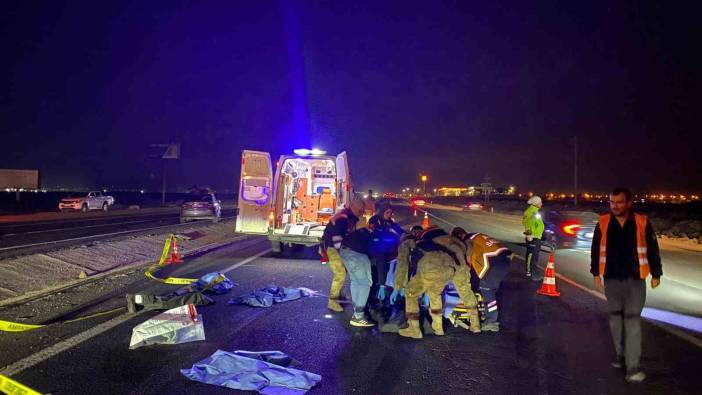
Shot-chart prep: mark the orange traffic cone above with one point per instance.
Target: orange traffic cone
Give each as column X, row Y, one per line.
column 414, row 213
column 175, row 256
column 548, row 287
column 425, row 221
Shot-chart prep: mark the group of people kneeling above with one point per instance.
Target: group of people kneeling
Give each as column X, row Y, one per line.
column 427, row 259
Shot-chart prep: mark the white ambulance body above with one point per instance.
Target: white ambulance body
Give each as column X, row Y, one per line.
column 294, row 205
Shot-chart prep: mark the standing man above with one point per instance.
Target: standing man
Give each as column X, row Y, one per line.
column 385, row 239
column 340, row 226
column 533, row 230
column 624, row 252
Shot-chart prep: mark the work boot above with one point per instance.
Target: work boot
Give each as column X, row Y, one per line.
column 474, row 318
column 333, row 305
column 412, row 330
column 491, row 327
column 437, row 324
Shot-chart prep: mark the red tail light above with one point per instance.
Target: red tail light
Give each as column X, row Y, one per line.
column 571, row 229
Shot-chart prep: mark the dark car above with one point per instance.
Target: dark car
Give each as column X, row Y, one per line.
column 200, row 206
column 569, row 229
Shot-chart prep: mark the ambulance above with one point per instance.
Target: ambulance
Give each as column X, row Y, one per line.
column 294, row 204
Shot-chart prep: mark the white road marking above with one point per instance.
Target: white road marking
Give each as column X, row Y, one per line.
column 49, row 352
column 52, row 351
column 245, row 261
column 647, row 313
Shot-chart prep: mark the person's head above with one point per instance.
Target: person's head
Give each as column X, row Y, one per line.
column 416, row 230
column 620, row 202
column 385, row 209
column 535, row 201
column 459, row 233
column 357, row 207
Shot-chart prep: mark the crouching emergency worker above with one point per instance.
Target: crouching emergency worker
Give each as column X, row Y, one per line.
column 443, row 260
column 340, row 226
column 407, row 252
column 490, row 261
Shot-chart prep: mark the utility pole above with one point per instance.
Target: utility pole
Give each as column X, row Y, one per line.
column 575, row 170
column 487, row 188
column 424, row 184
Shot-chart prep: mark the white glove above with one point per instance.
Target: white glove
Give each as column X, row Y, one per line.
column 529, row 237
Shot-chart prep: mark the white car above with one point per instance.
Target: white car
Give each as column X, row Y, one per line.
column 94, row 200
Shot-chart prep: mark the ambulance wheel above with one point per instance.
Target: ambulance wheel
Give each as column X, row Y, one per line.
column 277, row 247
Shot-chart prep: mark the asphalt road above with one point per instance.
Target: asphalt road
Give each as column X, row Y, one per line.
column 681, row 287
column 547, row 345
column 29, row 235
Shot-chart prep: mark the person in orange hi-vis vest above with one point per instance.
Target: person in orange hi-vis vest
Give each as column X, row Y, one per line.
column 625, row 252
column 490, row 261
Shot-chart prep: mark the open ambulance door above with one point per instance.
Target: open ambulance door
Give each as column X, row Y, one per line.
column 343, row 181
column 255, row 192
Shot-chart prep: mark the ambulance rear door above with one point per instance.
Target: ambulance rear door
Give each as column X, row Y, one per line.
column 255, row 192
column 343, row 181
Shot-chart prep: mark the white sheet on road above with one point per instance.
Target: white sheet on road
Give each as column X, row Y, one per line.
column 179, row 325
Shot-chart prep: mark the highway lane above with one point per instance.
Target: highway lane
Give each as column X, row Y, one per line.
column 681, row 287
column 35, row 236
column 539, row 350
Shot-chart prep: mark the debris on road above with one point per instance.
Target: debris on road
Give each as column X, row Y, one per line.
column 175, row 326
column 214, row 282
column 265, row 297
column 147, row 302
column 266, row 372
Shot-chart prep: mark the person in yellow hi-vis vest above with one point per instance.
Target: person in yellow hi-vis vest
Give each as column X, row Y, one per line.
column 490, row 261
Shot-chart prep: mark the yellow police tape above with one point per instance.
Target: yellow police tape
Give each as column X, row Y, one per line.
column 11, row 387
column 149, row 273
column 8, row 326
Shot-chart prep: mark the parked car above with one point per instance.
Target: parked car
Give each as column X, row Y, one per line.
column 201, row 206
column 569, row 229
column 94, row 200
column 473, row 206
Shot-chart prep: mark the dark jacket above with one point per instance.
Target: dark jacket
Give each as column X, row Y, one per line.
column 339, row 227
column 622, row 258
column 385, row 234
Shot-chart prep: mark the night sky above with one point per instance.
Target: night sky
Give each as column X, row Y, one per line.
column 457, row 89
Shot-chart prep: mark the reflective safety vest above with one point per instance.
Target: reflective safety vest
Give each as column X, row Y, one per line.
column 641, row 247
column 484, row 248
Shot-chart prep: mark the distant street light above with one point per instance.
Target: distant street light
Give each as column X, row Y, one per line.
column 424, row 184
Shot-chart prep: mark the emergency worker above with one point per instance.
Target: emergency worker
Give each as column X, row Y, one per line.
column 443, row 260
column 490, row 261
column 385, row 239
column 340, row 226
column 533, row 232
column 354, row 255
column 408, row 254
